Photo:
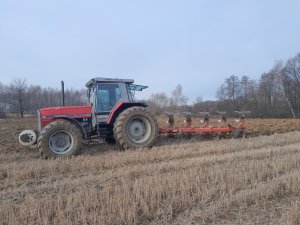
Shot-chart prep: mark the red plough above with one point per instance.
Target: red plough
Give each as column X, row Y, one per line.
column 224, row 127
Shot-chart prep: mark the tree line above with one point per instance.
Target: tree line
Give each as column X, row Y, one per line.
column 275, row 94
column 19, row 98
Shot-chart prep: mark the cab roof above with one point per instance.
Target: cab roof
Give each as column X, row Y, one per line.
column 107, row 80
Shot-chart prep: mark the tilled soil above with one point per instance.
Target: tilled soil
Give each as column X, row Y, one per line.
column 11, row 128
column 9, row 133
column 181, row 180
column 249, row 181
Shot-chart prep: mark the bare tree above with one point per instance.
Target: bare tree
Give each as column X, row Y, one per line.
column 2, row 102
column 245, row 87
column 230, row 89
column 272, row 100
column 158, row 102
column 233, row 87
column 33, row 98
column 221, row 92
column 177, row 97
column 74, row 97
column 291, row 83
column 199, row 99
column 267, row 89
column 18, row 88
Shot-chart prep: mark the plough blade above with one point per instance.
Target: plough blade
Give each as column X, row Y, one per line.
column 188, row 118
column 223, row 129
column 170, row 120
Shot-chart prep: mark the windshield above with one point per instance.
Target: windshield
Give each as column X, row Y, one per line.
column 108, row 95
column 131, row 88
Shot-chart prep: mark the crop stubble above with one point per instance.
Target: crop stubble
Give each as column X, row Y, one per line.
column 249, row 181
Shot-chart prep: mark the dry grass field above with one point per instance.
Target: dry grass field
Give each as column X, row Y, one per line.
column 178, row 181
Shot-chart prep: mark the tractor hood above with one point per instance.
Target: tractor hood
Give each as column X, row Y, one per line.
column 69, row 111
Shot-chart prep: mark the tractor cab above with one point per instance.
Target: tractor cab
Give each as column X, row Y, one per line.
column 105, row 94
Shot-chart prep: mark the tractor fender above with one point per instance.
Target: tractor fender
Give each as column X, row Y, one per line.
column 120, row 107
column 73, row 121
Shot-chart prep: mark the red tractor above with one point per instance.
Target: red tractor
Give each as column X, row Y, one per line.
column 112, row 115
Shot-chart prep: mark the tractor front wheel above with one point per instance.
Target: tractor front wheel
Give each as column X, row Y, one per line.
column 135, row 127
column 59, row 139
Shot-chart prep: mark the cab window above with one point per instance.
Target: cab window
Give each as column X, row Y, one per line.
column 108, row 95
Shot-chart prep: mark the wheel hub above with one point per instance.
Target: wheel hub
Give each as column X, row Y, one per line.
column 61, row 142
column 136, row 129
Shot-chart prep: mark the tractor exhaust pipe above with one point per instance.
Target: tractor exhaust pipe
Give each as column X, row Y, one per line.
column 63, row 92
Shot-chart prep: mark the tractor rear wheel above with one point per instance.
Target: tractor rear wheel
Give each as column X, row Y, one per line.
column 135, row 127
column 59, row 139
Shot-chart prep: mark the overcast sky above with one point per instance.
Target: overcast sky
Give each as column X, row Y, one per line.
column 159, row 43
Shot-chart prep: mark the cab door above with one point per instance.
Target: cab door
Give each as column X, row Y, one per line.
column 107, row 96
column 92, row 102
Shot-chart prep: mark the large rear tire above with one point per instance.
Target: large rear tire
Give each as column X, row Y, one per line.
column 59, row 139
column 135, row 127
